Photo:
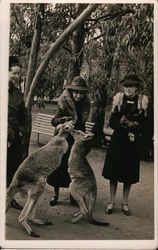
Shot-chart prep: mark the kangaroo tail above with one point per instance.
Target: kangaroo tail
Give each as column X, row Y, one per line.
column 97, row 223
column 92, row 201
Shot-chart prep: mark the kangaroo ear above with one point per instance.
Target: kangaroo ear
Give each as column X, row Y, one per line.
column 58, row 127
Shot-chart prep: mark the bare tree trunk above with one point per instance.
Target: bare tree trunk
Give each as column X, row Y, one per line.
column 54, row 47
column 34, row 49
column 77, row 40
column 32, row 66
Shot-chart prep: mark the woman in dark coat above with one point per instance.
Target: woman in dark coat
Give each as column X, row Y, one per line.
column 73, row 104
column 17, row 119
column 122, row 163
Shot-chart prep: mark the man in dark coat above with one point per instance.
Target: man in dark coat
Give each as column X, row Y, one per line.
column 122, row 163
column 17, row 118
column 73, row 104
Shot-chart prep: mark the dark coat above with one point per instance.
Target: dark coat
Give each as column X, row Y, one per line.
column 78, row 112
column 122, row 160
column 17, row 120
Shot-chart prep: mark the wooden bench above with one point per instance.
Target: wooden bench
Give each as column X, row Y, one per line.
column 42, row 125
column 89, row 126
column 107, row 131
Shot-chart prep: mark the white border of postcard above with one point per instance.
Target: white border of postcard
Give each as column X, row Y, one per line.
column 92, row 244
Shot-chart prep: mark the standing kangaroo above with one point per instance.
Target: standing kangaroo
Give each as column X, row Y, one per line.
column 30, row 178
column 83, row 185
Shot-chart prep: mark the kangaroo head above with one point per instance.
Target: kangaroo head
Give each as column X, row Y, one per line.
column 65, row 128
column 79, row 135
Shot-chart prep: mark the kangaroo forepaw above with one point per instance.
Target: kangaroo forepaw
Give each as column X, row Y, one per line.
column 32, row 234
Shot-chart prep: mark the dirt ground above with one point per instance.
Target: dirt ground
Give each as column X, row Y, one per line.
column 138, row 226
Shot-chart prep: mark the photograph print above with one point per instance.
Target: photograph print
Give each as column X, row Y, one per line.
column 80, row 163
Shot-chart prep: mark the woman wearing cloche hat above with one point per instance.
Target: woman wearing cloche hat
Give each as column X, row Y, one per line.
column 122, row 162
column 73, row 104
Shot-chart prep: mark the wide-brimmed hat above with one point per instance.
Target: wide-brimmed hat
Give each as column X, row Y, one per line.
column 131, row 80
column 78, row 83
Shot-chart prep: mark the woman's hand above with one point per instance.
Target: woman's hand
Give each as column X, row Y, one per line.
column 66, row 119
column 127, row 123
column 135, row 124
column 123, row 120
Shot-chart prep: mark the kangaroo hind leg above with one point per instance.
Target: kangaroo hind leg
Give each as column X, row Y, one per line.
column 35, row 220
column 32, row 199
column 83, row 210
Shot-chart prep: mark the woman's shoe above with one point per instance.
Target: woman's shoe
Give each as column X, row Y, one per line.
column 109, row 208
column 125, row 209
column 54, row 200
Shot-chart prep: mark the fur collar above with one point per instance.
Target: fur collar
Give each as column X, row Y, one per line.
column 142, row 102
column 67, row 105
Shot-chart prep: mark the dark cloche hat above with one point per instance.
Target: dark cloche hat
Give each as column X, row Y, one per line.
column 131, row 80
column 78, row 83
column 13, row 61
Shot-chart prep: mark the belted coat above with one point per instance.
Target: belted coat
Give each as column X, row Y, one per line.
column 122, row 162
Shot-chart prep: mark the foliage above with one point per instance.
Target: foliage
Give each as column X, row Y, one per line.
column 57, row 18
column 114, row 40
column 51, row 82
column 124, row 43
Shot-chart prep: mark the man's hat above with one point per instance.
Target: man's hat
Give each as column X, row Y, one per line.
column 78, row 83
column 131, row 80
column 13, row 61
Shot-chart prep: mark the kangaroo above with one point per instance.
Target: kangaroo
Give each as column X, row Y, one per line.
column 30, row 178
column 83, row 185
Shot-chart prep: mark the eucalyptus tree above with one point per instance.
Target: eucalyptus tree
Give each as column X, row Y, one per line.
column 110, row 40
column 119, row 42
column 33, row 75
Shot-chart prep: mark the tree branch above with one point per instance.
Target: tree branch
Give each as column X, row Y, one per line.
column 108, row 16
column 16, row 18
column 96, row 37
column 54, row 48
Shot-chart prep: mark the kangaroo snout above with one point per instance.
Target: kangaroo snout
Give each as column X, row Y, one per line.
column 88, row 136
column 69, row 126
column 81, row 136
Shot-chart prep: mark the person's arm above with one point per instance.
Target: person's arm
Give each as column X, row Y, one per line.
column 121, row 122
column 60, row 118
